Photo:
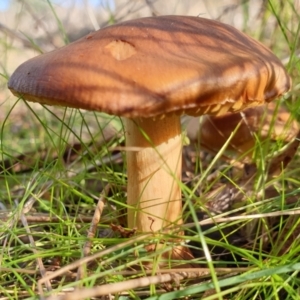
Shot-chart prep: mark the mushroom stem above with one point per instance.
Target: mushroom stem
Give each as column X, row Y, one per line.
column 154, row 172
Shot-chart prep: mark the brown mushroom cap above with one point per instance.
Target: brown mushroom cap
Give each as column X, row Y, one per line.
column 265, row 122
column 152, row 66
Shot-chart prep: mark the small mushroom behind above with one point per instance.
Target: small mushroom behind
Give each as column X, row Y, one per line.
column 150, row 71
column 263, row 122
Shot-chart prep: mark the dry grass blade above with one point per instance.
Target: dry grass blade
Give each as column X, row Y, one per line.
column 36, row 218
column 92, row 231
column 88, row 259
column 33, row 248
column 215, row 220
column 27, row 207
column 115, row 288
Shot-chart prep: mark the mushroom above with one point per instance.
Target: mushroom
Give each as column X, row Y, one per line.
column 266, row 122
column 150, row 71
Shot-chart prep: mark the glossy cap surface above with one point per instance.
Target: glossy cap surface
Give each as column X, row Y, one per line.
column 157, row 65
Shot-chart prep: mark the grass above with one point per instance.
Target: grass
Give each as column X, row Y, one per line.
column 50, row 191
